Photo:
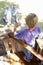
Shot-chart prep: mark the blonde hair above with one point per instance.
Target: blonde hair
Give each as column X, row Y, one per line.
column 31, row 20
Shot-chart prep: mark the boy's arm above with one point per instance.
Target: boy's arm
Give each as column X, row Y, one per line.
column 16, row 26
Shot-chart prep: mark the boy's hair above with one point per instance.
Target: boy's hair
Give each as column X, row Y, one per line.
column 31, row 20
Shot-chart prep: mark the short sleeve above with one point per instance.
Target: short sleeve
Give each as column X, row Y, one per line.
column 20, row 35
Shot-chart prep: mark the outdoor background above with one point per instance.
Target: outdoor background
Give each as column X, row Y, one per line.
column 25, row 7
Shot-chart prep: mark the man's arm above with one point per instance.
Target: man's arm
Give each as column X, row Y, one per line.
column 15, row 12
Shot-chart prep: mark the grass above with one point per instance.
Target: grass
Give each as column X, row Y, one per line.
column 2, row 9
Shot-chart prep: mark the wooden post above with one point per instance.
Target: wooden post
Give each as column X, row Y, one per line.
column 5, row 41
column 13, row 45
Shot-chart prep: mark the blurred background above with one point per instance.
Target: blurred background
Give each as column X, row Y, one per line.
column 25, row 7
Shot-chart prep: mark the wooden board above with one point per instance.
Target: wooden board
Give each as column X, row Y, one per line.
column 30, row 49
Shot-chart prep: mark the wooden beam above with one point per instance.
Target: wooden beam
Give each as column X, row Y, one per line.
column 5, row 42
column 30, row 49
column 12, row 44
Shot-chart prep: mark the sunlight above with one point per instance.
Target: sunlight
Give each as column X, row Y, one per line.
column 30, row 6
column 1, row 0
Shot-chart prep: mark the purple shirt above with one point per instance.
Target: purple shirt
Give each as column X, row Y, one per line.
column 29, row 36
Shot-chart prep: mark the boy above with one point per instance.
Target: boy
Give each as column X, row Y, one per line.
column 29, row 35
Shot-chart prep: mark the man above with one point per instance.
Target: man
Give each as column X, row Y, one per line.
column 15, row 13
column 7, row 15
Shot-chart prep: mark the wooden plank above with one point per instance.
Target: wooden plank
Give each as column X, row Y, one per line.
column 12, row 44
column 13, row 56
column 5, row 41
column 30, row 49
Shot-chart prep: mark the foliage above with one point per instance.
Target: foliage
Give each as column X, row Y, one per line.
column 2, row 8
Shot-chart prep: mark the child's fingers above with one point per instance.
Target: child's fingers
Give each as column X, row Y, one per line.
column 18, row 24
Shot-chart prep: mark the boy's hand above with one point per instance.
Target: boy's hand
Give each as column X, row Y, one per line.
column 18, row 24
